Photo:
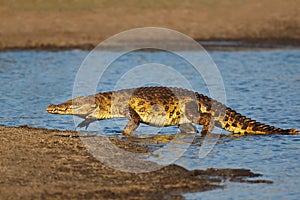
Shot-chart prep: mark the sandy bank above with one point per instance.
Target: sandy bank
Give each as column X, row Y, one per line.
column 85, row 23
column 41, row 163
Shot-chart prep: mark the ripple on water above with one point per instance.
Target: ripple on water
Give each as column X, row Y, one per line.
column 263, row 85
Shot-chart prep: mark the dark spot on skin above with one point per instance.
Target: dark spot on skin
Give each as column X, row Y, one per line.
column 238, row 117
column 245, row 125
column 173, row 121
column 255, row 128
column 166, row 108
column 161, row 99
column 141, row 103
column 247, row 120
column 234, row 124
column 171, row 114
column 252, row 123
column 228, row 111
column 109, row 94
column 173, row 110
column 208, row 107
column 263, row 126
column 149, row 98
column 226, row 118
column 152, row 103
column 227, row 125
column 232, row 114
column 142, row 110
column 132, row 101
column 177, row 113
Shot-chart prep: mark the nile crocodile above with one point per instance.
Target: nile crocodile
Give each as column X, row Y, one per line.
column 162, row 106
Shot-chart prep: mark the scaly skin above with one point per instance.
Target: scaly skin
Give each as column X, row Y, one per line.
column 163, row 106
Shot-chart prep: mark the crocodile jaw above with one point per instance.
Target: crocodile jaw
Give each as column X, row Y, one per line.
column 59, row 109
column 80, row 106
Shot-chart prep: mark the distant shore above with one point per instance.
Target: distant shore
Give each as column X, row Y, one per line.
column 56, row 25
column 39, row 163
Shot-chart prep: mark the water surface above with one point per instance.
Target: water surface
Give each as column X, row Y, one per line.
column 264, row 85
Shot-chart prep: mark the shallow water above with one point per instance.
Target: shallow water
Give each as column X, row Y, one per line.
column 264, row 85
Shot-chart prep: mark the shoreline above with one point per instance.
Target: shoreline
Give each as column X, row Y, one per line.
column 43, row 163
column 210, row 45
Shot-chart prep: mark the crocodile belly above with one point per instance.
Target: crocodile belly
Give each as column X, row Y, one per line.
column 155, row 120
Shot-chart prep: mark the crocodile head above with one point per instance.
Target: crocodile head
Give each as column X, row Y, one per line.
column 79, row 106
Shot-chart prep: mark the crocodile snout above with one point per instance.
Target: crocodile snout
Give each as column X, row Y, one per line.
column 51, row 108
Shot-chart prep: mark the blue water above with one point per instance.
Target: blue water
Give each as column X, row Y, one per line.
column 264, row 85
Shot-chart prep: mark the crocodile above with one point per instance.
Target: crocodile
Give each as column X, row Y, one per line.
column 162, row 106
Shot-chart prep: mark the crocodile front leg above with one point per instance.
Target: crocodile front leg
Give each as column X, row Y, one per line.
column 133, row 124
column 86, row 123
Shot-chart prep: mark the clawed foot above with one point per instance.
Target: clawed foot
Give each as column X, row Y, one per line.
column 188, row 128
column 85, row 123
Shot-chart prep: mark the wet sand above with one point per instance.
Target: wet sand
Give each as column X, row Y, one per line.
column 39, row 163
column 85, row 23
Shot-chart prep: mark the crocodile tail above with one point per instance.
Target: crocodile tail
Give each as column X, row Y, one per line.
column 237, row 123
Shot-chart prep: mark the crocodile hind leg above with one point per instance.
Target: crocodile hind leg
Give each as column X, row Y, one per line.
column 134, row 122
column 194, row 115
column 187, row 128
column 208, row 123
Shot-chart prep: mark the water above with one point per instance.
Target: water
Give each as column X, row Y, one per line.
column 264, row 85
